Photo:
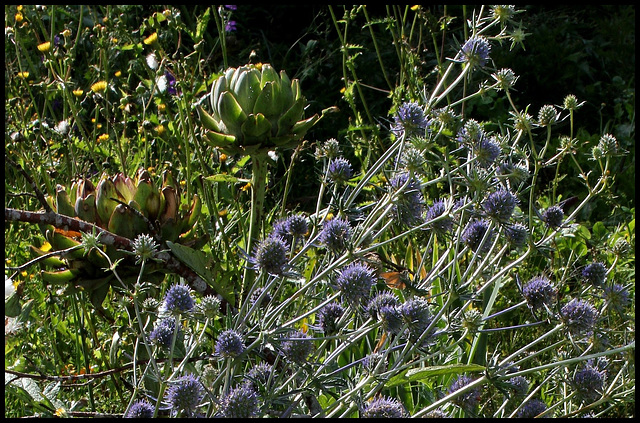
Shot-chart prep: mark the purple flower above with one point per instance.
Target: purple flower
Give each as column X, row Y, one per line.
column 178, row 299
column 595, row 273
column 162, row 334
column 475, row 51
column 416, row 315
column 229, row 344
column 519, row 386
column 531, row 409
column 553, row 216
column 383, row 407
column 140, row 409
column 500, row 205
column 231, row 6
column 335, row 235
column 271, row 255
column 355, row 281
column 185, row 394
column 539, row 292
column 391, row 318
column 589, row 381
column 259, row 375
column 297, row 347
column 410, row 120
column 290, row 229
column 171, row 83
column 328, row 318
column 617, row 297
column 409, row 203
column 516, row 234
column 486, row 151
column 470, row 398
column 230, row 26
column 240, row 403
column 339, row 170
column 475, row 232
column 579, row 317
column 383, row 299
column 436, row 210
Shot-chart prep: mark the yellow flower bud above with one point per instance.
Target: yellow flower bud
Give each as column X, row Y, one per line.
column 151, row 39
column 44, row 47
column 99, row 86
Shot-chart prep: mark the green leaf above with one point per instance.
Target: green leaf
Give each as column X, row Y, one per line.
column 12, row 306
column 221, row 177
column 201, row 26
column 418, row 375
column 599, row 230
column 197, row 261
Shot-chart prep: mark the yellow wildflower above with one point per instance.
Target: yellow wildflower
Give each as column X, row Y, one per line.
column 246, row 187
column 162, row 107
column 103, row 137
column 44, row 47
column 259, row 66
column 99, row 86
column 78, row 92
column 23, row 75
column 151, row 39
column 329, row 216
column 66, row 33
column 415, row 7
column 19, row 8
column 160, row 129
column 223, row 158
column 118, row 74
column 342, row 90
column 19, row 17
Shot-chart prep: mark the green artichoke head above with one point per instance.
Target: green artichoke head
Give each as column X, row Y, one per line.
column 255, row 108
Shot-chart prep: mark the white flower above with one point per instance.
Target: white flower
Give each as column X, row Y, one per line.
column 62, row 127
column 161, row 83
column 9, row 288
column 273, row 155
column 152, row 62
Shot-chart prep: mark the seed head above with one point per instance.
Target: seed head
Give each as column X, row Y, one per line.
column 571, row 102
column 162, row 334
column 210, row 306
column 339, row 170
column 608, row 144
column 297, row 347
column 500, row 205
column 617, row 297
column 410, row 120
column 383, row 299
column 475, row 232
column 588, row 382
column 259, row 375
column 548, row 115
column 505, row 79
column 336, row 234
column 178, row 299
column 271, row 255
column 476, row 51
column 595, row 273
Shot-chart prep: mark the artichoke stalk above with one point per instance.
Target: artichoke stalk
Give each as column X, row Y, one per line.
column 256, row 110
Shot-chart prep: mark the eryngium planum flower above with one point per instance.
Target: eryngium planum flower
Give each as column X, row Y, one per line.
column 382, row 299
column 297, row 346
column 579, row 317
column 178, row 299
column 531, row 409
column 185, row 394
column 519, row 386
column 391, row 318
column 409, row 203
column 475, row 232
column 140, row 409
column 417, row 316
column 538, row 292
column 547, row 115
column 588, row 382
column 259, row 376
column 339, row 170
column 516, row 235
column 355, row 281
column 162, row 334
column 553, row 216
column 595, row 273
column 500, row 205
column 437, row 209
column 486, row 151
column 336, row 234
column 470, row 398
column 617, row 297
column 271, row 255
column 328, row 318
column 475, row 51
column 240, row 403
column 410, row 120
column 383, row 407
column 229, row 344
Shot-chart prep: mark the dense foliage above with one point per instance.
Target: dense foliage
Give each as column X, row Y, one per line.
column 381, row 211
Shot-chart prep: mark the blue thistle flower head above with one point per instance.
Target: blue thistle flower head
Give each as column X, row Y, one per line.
column 383, row 407
column 162, row 334
column 370, row 361
column 538, row 292
column 437, row 209
column 588, row 381
column 410, row 120
column 382, row 299
column 259, row 376
column 297, row 347
column 256, row 295
column 229, row 344
column 470, row 399
column 355, row 281
column 475, row 51
column 416, row 315
column 531, row 409
column 297, row 225
column 500, row 204
column 178, row 299
column 516, row 235
column 328, row 318
column 184, row 395
column 617, row 297
column 141, row 409
column 336, row 234
column 519, row 386
column 595, row 273
column 553, row 216
column 579, row 317
column 409, row 203
column 515, row 173
column 270, row 255
column 475, row 232
column 486, row 151
column 339, row 170
column 240, row 403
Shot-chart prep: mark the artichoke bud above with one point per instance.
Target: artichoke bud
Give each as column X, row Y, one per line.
column 63, row 202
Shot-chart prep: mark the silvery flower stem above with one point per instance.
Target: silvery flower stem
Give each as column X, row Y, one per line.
column 531, row 344
column 461, row 77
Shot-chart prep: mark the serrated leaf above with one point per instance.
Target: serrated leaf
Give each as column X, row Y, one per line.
column 415, row 375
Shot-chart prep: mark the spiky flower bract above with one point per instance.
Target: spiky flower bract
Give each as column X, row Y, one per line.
column 209, row 306
column 553, row 216
column 588, row 381
column 475, row 51
column 383, row 407
column 416, row 316
column 179, row 299
column 162, row 334
column 515, row 173
column 608, row 144
column 475, row 232
column 486, row 151
column 355, row 282
column 336, row 234
column 500, row 204
column 141, row 409
column 595, row 273
column 259, row 375
column 409, row 203
column 531, row 409
column 547, row 115
column 538, row 292
column 240, row 403
column 339, row 170
column 184, row 395
column 382, row 299
column 410, row 120
column 270, row 255
column 229, row 344
column 579, row 316
column 328, row 317
column 470, row 398
column 437, row 209
column 297, row 347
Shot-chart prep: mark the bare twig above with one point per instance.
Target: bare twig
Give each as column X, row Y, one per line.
column 39, row 194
